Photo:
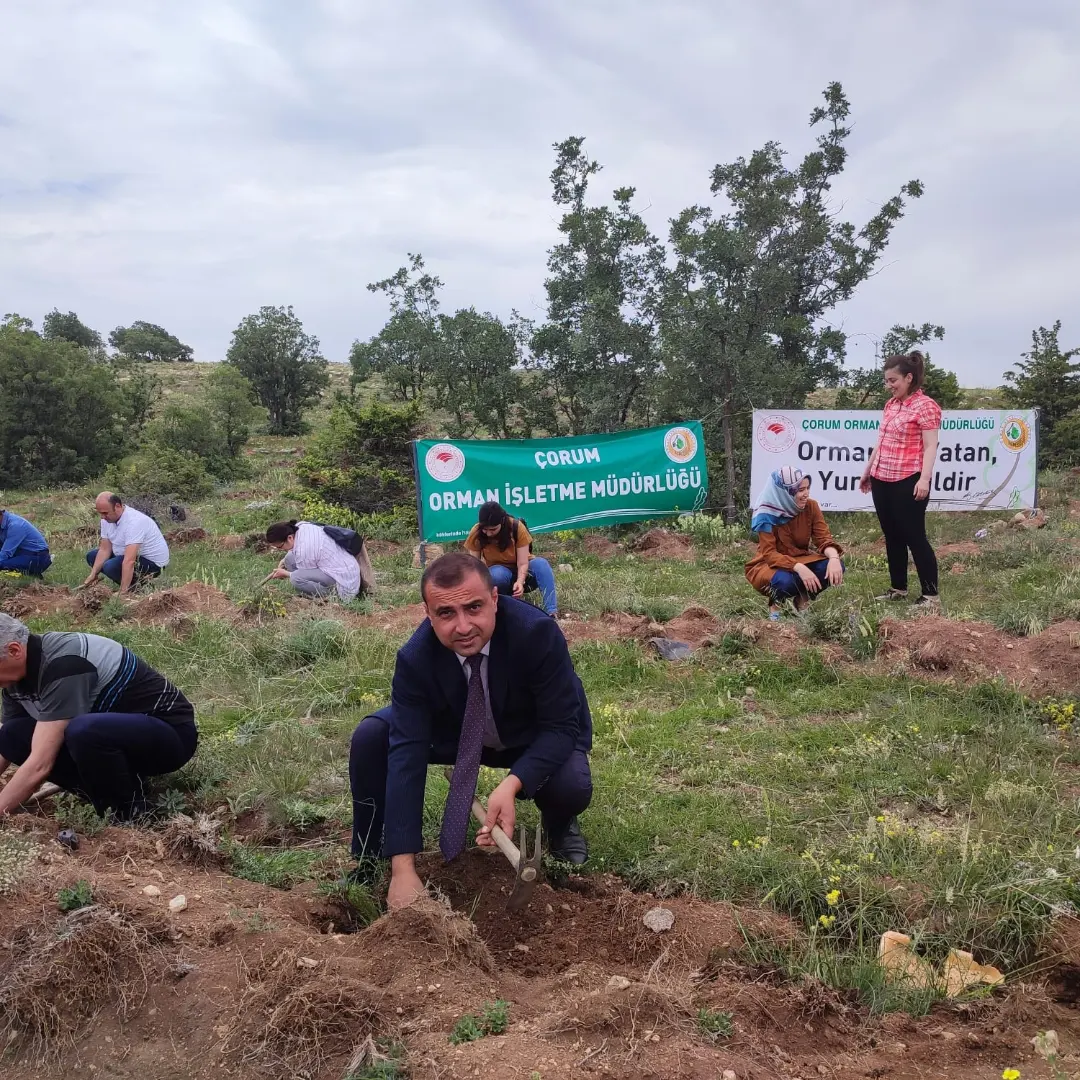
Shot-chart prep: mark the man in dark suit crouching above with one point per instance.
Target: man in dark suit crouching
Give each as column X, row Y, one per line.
column 485, row 679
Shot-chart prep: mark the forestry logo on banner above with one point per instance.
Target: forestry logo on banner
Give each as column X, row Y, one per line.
column 1015, row 434
column 680, row 444
column 776, row 434
column 444, row 462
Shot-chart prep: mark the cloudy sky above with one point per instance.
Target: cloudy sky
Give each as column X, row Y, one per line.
column 187, row 163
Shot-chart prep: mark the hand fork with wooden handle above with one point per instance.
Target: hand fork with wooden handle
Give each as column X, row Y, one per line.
column 528, row 870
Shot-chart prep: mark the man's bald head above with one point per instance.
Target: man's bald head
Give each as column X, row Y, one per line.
column 109, row 506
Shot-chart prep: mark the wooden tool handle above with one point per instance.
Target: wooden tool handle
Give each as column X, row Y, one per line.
column 502, row 841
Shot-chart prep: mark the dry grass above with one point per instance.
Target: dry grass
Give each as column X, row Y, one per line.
column 292, row 1019
column 64, row 971
column 629, row 1012
column 451, row 939
column 196, row 839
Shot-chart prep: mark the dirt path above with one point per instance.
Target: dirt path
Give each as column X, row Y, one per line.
column 250, row 982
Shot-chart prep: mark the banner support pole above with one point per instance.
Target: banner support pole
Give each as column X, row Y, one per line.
column 419, row 504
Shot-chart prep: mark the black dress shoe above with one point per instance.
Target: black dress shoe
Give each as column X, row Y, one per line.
column 566, row 844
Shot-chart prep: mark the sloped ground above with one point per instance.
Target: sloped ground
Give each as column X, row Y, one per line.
column 253, row 982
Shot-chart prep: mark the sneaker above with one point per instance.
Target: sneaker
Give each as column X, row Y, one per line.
column 928, row 603
column 566, row 844
column 892, row 595
column 774, row 616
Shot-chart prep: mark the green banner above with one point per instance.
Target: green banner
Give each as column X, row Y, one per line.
column 581, row 482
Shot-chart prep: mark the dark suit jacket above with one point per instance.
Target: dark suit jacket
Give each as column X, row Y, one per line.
column 537, row 702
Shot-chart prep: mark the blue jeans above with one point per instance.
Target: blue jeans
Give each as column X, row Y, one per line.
column 786, row 585
column 113, row 568
column 34, row 563
column 540, row 576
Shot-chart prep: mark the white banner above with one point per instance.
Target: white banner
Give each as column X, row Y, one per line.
column 986, row 460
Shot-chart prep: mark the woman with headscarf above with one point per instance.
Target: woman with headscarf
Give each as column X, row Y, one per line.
column 797, row 556
column 504, row 545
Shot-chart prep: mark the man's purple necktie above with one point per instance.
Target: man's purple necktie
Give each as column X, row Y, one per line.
column 455, row 822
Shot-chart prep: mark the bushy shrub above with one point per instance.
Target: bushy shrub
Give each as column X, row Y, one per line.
column 362, row 461
column 63, row 415
column 399, row 524
column 162, row 470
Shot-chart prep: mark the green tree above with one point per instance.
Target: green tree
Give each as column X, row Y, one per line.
column 746, row 304
column 362, row 459
column 229, row 402
column 283, row 364
column 407, row 349
column 864, row 388
column 62, row 420
column 147, row 342
column 1047, row 379
column 597, row 353
column 59, row 327
column 476, row 379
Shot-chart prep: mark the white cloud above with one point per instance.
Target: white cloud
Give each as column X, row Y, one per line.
column 188, row 163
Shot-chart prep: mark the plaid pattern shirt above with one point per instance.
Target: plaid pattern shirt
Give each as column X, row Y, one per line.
column 901, row 448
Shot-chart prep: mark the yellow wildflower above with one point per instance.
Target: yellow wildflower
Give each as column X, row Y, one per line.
column 827, row 920
column 833, row 898
column 735, row 843
column 1011, row 1074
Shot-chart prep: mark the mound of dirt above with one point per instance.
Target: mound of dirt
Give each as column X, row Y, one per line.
column 60, row 971
column 602, row 547
column 294, row 1012
column 966, row 548
column 230, row 542
column 38, row 601
column 695, row 626
column 1047, row 663
column 611, row 626
column 243, row 983
column 190, row 599
column 179, row 537
column 437, row 938
column 665, row 544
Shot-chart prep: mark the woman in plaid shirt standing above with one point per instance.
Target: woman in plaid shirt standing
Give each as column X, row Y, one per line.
column 899, row 474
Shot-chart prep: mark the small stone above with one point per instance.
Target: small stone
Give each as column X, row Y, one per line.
column 152, row 891
column 306, row 962
column 565, row 568
column 618, row 982
column 659, row 919
column 178, row 904
column 822, row 1071
column 68, row 838
column 549, row 909
column 521, row 948
column 728, row 1074
column 565, row 907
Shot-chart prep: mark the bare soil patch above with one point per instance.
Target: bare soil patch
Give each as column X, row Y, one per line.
column 230, row 542
column 932, row 645
column 180, row 537
column 246, row 983
column 38, row 600
column 190, row 599
column 967, row 547
column 665, row 544
column 602, row 547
